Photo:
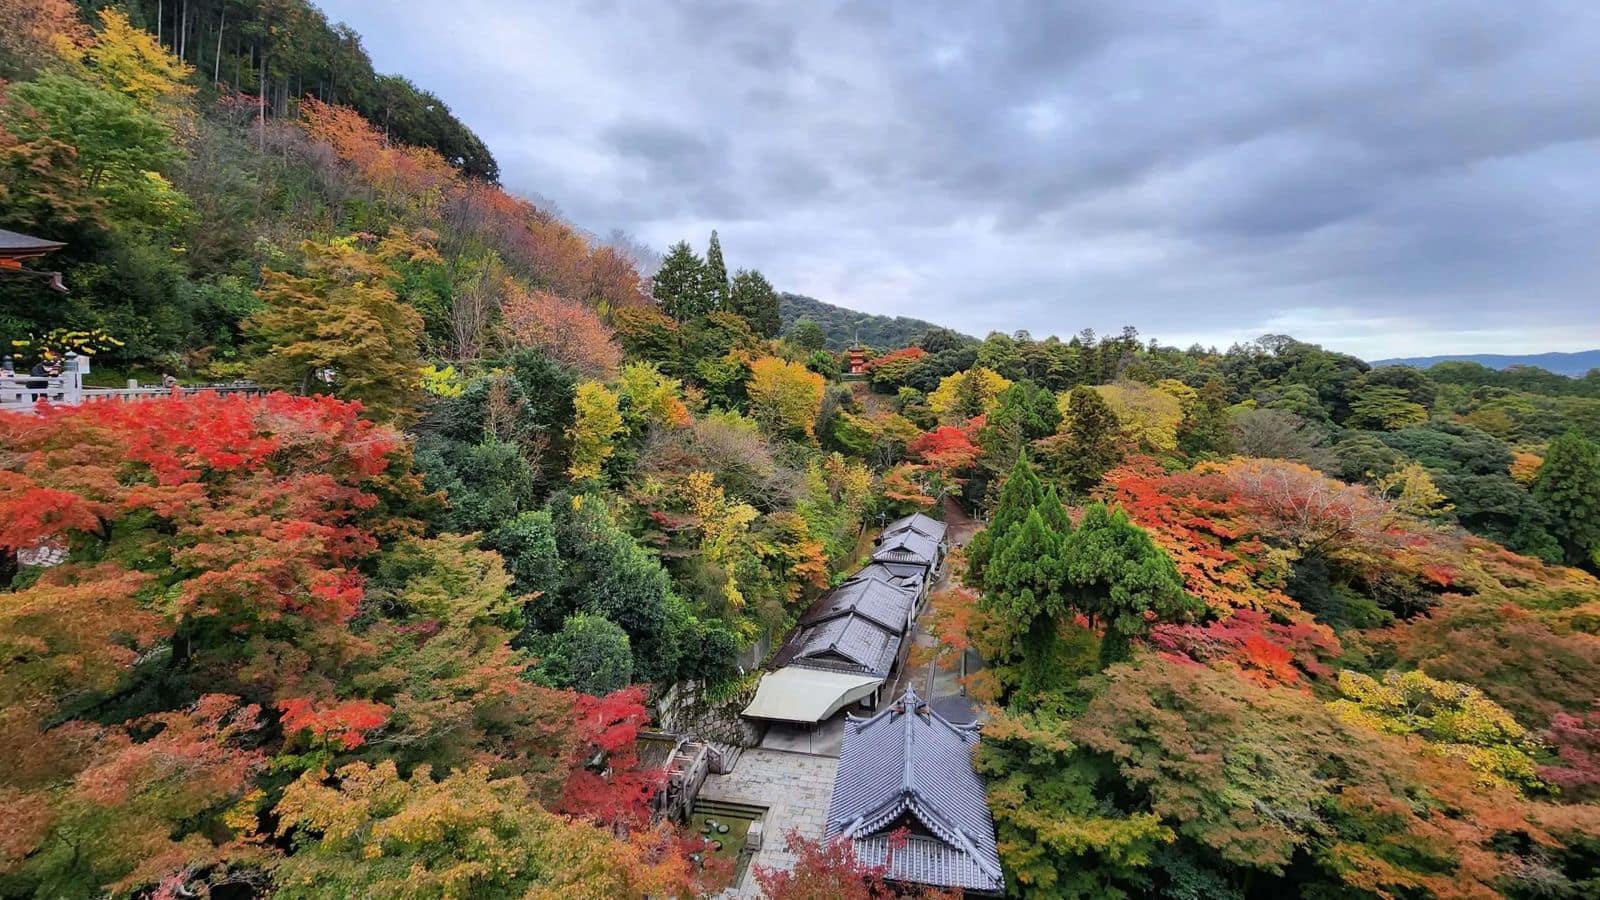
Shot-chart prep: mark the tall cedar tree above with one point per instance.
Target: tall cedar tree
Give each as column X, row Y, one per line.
column 680, row 284
column 716, row 274
column 1205, row 422
column 1023, row 590
column 1121, row 581
column 754, row 298
column 1088, row 442
column 1020, row 494
column 1568, row 485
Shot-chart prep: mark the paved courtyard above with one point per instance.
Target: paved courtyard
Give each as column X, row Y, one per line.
column 794, row 787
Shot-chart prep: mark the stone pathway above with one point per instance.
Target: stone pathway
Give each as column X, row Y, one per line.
column 794, row 787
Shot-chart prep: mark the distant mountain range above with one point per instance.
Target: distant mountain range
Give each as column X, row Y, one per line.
column 842, row 326
column 1574, row 365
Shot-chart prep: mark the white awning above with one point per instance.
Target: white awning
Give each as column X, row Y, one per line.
column 793, row 694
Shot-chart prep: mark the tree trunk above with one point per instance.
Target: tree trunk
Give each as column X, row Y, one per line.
column 261, row 105
column 181, row 38
column 216, row 66
column 160, row 8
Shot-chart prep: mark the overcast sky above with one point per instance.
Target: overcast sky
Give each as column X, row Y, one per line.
column 1384, row 178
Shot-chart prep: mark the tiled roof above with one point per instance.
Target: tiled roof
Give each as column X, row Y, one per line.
column 908, row 546
column 909, row 575
column 853, row 638
column 884, row 602
column 924, row 525
column 847, row 643
column 907, row 760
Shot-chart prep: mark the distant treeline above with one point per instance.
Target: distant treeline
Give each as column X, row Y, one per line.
column 283, row 50
column 842, row 326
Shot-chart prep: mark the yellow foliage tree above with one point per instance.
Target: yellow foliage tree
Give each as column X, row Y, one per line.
column 962, row 396
column 651, row 398
column 594, row 427
column 785, row 396
column 1149, row 417
column 1454, row 719
column 1413, row 491
column 1525, row 467
column 368, row 832
column 340, row 329
column 724, row 527
column 130, row 60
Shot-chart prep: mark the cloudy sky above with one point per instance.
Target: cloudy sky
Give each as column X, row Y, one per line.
column 1384, row 178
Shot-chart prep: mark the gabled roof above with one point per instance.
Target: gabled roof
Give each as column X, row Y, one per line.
column 909, row 763
column 924, row 525
column 883, row 601
column 910, row 576
column 908, row 546
column 850, row 643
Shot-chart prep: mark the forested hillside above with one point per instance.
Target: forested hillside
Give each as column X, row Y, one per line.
column 1574, row 365
column 841, row 327
column 1256, row 623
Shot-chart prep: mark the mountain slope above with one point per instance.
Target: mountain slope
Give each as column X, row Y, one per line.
column 1575, row 365
column 842, row 326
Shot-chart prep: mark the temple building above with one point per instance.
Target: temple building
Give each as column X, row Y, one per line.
column 907, row 767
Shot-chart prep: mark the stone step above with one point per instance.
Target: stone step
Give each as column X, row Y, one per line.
column 714, row 808
column 727, row 753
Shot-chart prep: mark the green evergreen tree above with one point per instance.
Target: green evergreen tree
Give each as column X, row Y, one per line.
column 680, row 284
column 1091, row 444
column 754, row 298
column 1205, row 423
column 590, row 654
column 1568, row 485
column 1023, row 413
column 1054, row 512
column 716, row 274
column 1022, row 588
column 1120, row 580
column 806, row 335
column 1018, row 496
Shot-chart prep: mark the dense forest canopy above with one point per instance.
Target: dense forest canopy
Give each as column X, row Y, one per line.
column 1259, row 622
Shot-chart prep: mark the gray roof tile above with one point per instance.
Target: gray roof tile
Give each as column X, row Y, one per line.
column 908, row 546
column 922, row 524
column 907, row 760
column 885, row 602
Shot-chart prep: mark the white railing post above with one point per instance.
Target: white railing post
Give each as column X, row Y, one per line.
column 72, row 380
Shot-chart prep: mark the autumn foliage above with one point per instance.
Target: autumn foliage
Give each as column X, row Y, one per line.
column 567, row 331
column 244, row 587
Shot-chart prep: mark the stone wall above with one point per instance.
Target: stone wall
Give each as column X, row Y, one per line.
column 687, row 710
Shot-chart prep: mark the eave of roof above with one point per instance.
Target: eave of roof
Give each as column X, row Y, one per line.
column 22, row 246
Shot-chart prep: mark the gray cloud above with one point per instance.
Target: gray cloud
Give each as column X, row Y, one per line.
column 1380, row 177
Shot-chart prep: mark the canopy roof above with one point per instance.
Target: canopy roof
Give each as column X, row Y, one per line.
column 807, row 695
